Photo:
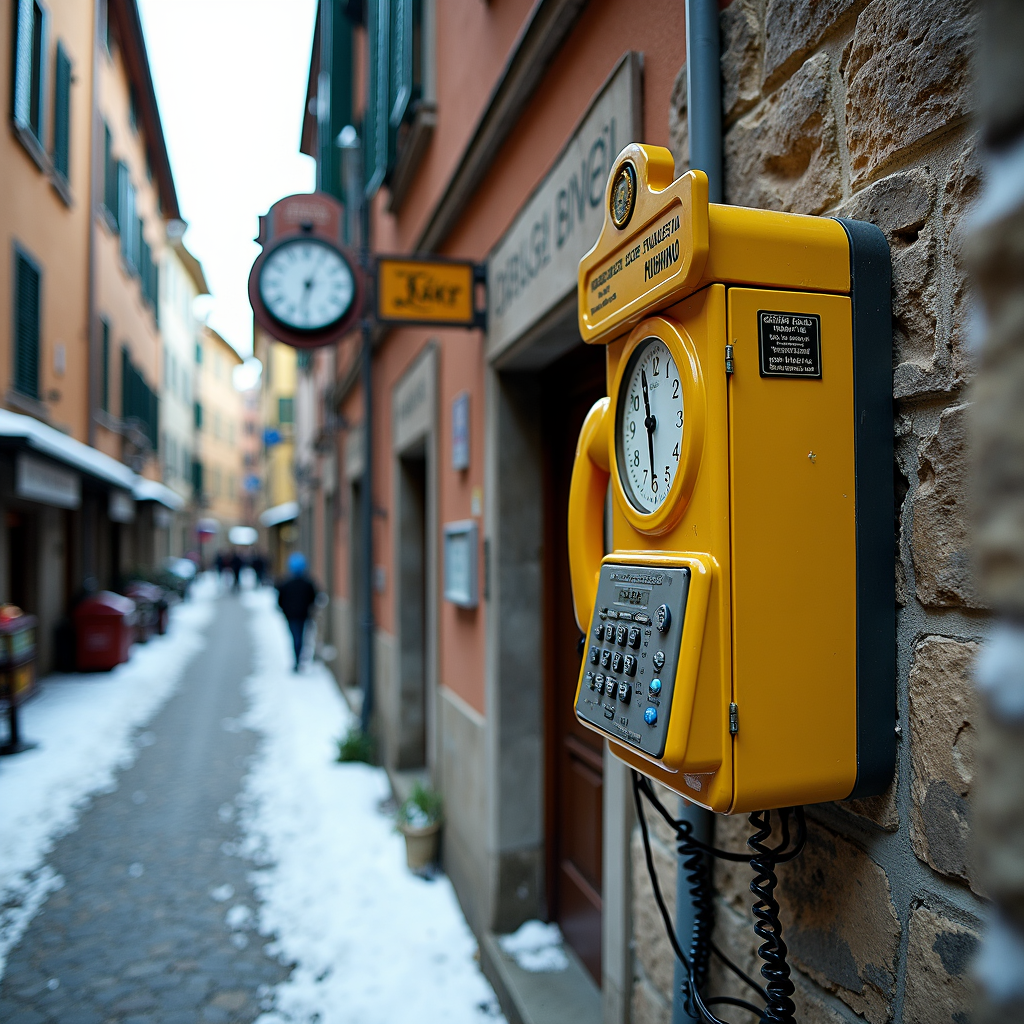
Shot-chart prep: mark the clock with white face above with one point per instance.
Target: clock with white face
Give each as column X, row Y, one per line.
column 306, row 284
column 649, row 425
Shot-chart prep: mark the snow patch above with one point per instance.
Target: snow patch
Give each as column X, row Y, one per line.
column 536, row 947
column 368, row 939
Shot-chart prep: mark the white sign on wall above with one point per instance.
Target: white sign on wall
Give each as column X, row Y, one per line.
column 535, row 265
column 42, row 481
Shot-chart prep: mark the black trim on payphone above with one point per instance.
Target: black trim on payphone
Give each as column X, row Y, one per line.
column 870, row 293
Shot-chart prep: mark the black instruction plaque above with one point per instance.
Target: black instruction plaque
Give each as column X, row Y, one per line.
column 789, row 344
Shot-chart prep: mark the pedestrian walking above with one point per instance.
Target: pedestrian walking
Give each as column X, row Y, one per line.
column 259, row 567
column 237, row 565
column 296, row 595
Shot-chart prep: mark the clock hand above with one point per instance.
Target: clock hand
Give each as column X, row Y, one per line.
column 650, row 422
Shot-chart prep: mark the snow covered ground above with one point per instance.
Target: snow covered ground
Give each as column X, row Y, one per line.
column 87, row 730
column 372, row 943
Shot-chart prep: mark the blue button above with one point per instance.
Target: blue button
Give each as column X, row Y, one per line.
column 651, row 716
column 655, row 687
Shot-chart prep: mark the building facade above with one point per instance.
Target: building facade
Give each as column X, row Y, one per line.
column 488, row 133
column 87, row 193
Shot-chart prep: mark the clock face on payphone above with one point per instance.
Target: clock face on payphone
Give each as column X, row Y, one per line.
column 649, row 425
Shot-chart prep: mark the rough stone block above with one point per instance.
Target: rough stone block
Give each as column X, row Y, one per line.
column 653, row 950
column 741, row 36
column 940, row 534
column 943, row 743
column 908, row 77
column 679, row 124
column 649, row 1005
column 734, row 935
column 784, row 155
column 881, row 809
column 963, row 184
column 793, row 28
column 840, row 923
column 940, row 989
column 901, row 205
column 732, row 878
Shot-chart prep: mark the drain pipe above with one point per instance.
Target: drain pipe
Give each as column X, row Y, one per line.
column 704, row 113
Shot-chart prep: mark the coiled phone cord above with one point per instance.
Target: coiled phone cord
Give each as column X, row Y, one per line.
column 779, row 1006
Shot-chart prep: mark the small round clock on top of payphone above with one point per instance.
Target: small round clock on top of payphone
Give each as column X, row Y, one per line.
column 740, row 632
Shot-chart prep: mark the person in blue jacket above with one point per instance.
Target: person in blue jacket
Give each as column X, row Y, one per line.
column 296, row 595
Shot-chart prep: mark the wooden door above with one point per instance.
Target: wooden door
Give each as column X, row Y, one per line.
column 574, row 768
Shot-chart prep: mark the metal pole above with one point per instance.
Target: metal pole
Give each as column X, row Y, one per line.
column 704, row 111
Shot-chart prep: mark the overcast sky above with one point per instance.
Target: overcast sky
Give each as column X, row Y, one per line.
column 230, row 80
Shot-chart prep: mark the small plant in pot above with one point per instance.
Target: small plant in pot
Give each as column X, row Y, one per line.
column 419, row 820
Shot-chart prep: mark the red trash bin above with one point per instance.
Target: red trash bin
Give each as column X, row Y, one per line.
column 104, row 631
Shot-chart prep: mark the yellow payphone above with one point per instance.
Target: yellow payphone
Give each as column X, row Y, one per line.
column 740, row 634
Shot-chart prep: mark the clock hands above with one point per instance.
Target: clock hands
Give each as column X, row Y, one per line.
column 650, row 422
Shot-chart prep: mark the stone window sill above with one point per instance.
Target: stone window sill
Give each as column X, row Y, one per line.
column 27, row 404
column 33, row 147
column 62, row 187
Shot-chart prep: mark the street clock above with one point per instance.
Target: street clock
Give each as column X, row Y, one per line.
column 305, row 287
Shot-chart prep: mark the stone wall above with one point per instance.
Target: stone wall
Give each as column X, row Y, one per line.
column 863, row 109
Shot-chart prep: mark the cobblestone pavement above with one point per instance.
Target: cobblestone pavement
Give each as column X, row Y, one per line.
column 135, row 934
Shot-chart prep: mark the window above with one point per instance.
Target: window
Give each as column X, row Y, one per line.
column 104, row 365
column 197, row 411
column 110, row 172
column 27, row 308
column 197, row 476
column 139, row 402
column 126, row 214
column 286, row 410
column 199, row 353
column 29, row 56
column 62, row 113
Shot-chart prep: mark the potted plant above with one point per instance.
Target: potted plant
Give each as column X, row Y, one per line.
column 419, row 820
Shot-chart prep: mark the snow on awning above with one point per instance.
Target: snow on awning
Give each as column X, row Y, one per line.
column 153, row 490
column 42, row 438
column 280, row 514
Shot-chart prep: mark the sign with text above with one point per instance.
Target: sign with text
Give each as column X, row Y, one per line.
column 430, row 292
column 535, row 265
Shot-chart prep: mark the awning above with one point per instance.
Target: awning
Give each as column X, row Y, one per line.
column 280, row 514
column 153, row 490
column 41, row 438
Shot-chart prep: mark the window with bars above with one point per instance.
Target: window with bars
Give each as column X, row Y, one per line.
column 62, row 113
column 30, row 28
column 28, row 280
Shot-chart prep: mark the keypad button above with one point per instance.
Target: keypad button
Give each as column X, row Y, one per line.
column 642, row 618
column 634, row 637
column 655, row 687
column 599, row 632
column 597, row 683
column 651, row 716
column 659, row 660
column 625, row 616
column 616, row 662
column 662, row 618
column 595, row 655
column 606, row 659
column 609, row 633
column 625, row 692
column 610, row 686
column 621, row 634
column 609, row 712
column 630, row 665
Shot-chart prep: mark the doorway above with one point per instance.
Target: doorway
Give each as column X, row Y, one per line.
column 409, row 743
column 574, row 771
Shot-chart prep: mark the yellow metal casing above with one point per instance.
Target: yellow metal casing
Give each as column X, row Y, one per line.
column 783, row 688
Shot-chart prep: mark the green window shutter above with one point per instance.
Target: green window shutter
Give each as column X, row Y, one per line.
column 198, row 414
column 62, row 113
column 104, row 365
column 401, row 61
column 377, row 130
column 125, row 208
column 35, row 116
column 21, row 105
column 143, row 263
column 197, row 476
column 138, row 242
column 126, row 383
column 109, row 174
column 27, row 305
column 286, row 410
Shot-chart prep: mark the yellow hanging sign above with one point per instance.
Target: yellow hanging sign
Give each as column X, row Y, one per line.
column 432, row 292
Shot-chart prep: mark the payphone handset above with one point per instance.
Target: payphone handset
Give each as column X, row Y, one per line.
column 740, row 633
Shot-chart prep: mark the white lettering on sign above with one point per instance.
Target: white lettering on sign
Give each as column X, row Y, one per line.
column 535, row 265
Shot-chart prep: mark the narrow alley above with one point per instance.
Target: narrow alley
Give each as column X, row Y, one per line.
column 156, row 910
